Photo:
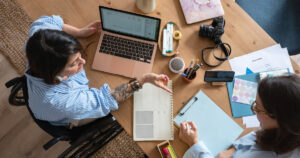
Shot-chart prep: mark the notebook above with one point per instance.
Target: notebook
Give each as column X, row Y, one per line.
column 215, row 128
column 199, row 10
column 240, row 109
column 153, row 114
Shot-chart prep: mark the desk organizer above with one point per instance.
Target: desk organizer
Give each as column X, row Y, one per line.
column 169, row 146
column 175, row 42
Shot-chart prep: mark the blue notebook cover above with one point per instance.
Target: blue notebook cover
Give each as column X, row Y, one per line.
column 240, row 109
column 215, row 128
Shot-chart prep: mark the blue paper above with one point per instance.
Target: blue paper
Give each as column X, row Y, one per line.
column 240, row 109
column 248, row 71
column 215, row 128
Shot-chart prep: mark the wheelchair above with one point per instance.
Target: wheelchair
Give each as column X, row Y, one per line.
column 84, row 140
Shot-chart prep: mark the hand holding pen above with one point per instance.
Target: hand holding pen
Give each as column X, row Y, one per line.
column 188, row 133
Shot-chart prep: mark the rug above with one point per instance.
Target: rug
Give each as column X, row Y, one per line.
column 14, row 29
column 121, row 146
column 280, row 19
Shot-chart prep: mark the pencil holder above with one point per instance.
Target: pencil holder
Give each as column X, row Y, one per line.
column 191, row 77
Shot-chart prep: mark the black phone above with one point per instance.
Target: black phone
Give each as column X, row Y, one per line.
column 218, row 76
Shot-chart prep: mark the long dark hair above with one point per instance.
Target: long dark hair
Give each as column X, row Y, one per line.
column 280, row 97
column 48, row 52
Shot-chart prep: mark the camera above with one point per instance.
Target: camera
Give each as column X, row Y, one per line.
column 213, row 31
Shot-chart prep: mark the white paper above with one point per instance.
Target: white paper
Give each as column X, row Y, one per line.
column 267, row 59
column 251, row 121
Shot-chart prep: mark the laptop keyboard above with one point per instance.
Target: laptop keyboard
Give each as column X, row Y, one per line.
column 126, row 48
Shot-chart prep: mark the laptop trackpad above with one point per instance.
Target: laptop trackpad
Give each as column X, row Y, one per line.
column 122, row 66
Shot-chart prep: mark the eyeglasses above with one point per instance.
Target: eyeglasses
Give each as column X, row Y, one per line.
column 255, row 110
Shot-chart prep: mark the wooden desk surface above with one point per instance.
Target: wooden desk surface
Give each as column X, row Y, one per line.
column 243, row 34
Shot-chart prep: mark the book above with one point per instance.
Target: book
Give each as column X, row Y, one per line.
column 215, row 128
column 153, row 114
column 199, row 10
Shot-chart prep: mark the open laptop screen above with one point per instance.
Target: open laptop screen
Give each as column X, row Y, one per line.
column 130, row 24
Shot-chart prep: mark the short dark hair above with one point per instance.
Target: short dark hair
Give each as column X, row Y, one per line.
column 48, row 51
column 280, row 97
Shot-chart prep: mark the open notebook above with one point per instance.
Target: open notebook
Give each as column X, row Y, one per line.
column 153, row 114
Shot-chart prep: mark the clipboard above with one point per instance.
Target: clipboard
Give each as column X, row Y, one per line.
column 215, row 128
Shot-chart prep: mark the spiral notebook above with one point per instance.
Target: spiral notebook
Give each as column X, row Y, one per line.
column 153, row 114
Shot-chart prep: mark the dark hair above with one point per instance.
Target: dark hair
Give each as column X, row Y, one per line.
column 280, row 97
column 48, row 52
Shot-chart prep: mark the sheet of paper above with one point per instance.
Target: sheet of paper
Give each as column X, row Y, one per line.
column 251, row 121
column 270, row 58
column 244, row 91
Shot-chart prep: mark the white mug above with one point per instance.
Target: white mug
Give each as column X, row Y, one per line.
column 146, row 6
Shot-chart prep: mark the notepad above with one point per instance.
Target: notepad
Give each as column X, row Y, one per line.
column 153, row 114
column 240, row 109
column 215, row 128
column 244, row 91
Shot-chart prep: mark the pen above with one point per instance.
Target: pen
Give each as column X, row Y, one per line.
column 188, row 129
column 195, row 68
column 183, row 74
column 188, row 69
column 192, row 70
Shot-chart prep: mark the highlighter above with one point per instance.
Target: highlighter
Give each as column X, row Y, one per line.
column 166, row 152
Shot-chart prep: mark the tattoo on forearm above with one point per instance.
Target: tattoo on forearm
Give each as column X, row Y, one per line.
column 122, row 92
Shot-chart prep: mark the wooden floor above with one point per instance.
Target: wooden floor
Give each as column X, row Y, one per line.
column 19, row 136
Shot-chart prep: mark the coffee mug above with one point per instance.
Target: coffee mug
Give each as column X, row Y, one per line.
column 146, row 6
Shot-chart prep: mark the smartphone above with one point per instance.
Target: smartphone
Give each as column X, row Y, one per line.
column 218, row 76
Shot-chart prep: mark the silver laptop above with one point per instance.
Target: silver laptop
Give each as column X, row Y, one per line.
column 127, row 44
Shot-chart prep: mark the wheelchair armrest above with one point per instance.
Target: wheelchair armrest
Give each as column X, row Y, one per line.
column 54, row 141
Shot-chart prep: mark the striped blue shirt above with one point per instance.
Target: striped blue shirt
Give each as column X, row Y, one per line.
column 69, row 101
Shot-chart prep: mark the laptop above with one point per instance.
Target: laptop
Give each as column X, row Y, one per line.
column 127, row 44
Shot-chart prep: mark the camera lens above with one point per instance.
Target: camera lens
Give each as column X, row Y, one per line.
column 206, row 31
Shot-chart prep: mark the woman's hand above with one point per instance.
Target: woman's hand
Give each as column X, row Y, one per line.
column 83, row 32
column 227, row 153
column 89, row 29
column 188, row 133
column 157, row 80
